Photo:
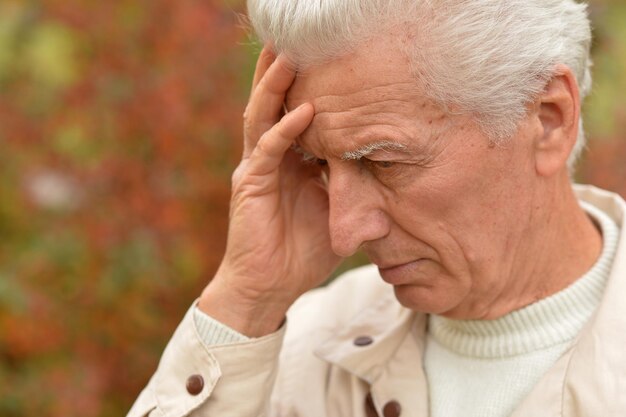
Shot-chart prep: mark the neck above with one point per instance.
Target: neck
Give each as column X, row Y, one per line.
column 562, row 244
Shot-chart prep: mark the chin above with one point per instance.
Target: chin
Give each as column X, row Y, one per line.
column 428, row 300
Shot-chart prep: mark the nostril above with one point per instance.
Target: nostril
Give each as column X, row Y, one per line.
column 341, row 244
column 354, row 226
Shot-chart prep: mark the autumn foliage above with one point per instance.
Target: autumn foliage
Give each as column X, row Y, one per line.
column 120, row 123
column 119, row 126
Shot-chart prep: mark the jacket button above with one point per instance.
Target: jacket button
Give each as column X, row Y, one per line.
column 195, row 383
column 363, row 341
column 370, row 409
column 392, row 409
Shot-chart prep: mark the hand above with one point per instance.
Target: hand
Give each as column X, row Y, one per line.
column 278, row 241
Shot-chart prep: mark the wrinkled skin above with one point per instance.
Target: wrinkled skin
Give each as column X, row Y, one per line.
column 278, row 242
column 459, row 226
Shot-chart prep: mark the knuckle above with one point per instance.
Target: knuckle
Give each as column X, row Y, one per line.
column 248, row 116
column 236, row 175
column 262, row 146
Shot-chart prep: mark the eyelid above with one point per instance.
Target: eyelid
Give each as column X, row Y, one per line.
column 379, row 163
column 378, row 159
column 399, row 159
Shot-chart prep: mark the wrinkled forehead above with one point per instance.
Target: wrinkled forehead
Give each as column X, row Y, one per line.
column 373, row 73
column 329, row 96
column 348, row 101
column 370, row 95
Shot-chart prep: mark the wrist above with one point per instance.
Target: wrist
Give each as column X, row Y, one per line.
column 252, row 318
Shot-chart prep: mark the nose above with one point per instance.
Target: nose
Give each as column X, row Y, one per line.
column 357, row 213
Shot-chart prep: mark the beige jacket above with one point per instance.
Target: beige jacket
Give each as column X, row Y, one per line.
column 321, row 372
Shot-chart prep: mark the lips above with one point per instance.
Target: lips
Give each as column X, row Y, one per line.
column 399, row 274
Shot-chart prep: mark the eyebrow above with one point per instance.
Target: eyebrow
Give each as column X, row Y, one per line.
column 356, row 154
column 370, row 148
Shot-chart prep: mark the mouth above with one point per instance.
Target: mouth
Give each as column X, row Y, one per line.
column 399, row 274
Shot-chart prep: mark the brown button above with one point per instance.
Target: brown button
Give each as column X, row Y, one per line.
column 370, row 409
column 195, row 383
column 392, row 409
column 363, row 341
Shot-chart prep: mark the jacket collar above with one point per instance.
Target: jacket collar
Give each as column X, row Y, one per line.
column 387, row 324
column 590, row 379
column 392, row 364
column 596, row 377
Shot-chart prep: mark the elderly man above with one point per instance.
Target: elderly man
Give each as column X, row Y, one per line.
column 438, row 137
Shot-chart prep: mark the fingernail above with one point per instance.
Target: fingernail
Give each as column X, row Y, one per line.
column 269, row 50
column 285, row 62
column 302, row 106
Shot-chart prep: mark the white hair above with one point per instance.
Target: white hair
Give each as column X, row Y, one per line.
column 485, row 57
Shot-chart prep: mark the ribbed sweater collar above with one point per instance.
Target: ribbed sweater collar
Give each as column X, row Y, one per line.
column 548, row 322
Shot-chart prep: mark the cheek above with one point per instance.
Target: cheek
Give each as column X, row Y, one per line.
column 453, row 211
column 470, row 191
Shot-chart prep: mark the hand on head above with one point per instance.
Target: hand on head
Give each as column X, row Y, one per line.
column 278, row 242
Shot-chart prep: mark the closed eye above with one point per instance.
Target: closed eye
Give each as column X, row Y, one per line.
column 378, row 164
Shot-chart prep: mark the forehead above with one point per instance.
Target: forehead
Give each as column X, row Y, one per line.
column 363, row 96
column 376, row 68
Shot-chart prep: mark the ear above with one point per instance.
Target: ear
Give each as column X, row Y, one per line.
column 558, row 112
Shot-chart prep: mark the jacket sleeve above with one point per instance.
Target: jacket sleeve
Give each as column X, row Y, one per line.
column 229, row 380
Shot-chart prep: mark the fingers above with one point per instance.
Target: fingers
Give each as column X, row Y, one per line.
column 266, row 103
column 270, row 149
column 266, row 57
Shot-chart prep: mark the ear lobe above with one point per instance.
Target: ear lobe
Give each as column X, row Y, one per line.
column 558, row 111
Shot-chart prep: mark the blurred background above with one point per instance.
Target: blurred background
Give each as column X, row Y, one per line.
column 119, row 128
